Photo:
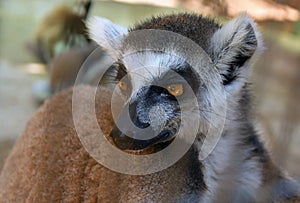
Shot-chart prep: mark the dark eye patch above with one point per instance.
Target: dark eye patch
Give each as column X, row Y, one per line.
column 121, row 70
column 181, row 74
column 123, row 76
column 117, row 72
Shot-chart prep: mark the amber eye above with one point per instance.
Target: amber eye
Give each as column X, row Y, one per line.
column 175, row 89
column 122, row 85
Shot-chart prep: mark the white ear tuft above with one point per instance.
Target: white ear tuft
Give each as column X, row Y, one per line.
column 107, row 34
column 234, row 48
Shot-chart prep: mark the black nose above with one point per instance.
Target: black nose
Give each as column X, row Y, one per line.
column 133, row 112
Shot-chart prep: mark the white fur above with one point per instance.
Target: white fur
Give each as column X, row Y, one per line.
column 250, row 179
column 107, row 34
column 235, row 32
column 227, row 173
column 226, row 170
column 215, row 165
column 146, row 66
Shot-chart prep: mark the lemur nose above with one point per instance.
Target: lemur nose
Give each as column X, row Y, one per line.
column 133, row 112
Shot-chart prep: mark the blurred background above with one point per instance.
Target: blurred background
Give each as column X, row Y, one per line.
column 42, row 44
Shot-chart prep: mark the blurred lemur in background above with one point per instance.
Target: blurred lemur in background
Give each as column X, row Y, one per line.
column 62, row 43
column 239, row 169
column 61, row 30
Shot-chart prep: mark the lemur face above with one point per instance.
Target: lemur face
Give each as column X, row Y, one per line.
column 160, row 81
column 153, row 85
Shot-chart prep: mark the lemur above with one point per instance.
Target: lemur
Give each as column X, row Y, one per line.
column 61, row 30
column 239, row 168
column 62, row 43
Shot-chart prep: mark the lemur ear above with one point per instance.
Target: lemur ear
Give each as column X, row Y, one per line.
column 234, row 48
column 107, row 34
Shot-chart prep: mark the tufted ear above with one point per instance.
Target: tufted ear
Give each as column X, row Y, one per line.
column 234, row 48
column 107, row 34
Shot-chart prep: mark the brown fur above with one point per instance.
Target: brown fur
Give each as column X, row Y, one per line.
column 49, row 164
column 65, row 67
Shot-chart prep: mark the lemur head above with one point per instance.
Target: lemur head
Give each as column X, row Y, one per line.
column 159, row 82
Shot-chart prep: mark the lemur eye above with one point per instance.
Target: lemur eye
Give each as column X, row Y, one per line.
column 175, row 89
column 123, row 85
